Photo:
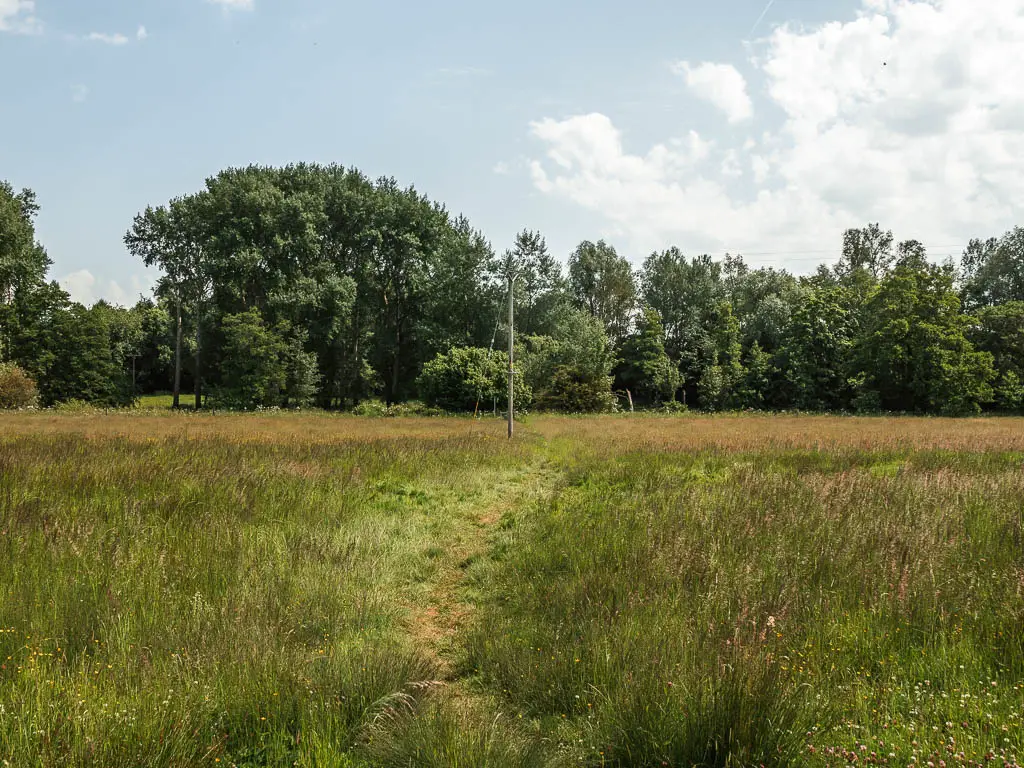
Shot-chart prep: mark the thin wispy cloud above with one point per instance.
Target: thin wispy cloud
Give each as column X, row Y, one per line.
column 760, row 18
column 107, row 39
column 79, row 93
column 141, row 34
column 234, row 5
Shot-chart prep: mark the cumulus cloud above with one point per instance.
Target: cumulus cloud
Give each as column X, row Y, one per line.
column 722, row 85
column 911, row 113
column 87, row 289
column 18, row 16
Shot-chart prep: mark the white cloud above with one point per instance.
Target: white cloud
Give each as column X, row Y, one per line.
column 141, row 33
column 911, row 114
column 18, row 16
column 722, row 85
column 87, row 289
column 81, row 285
column 106, row 39
column 79, row 93
column 234, row 5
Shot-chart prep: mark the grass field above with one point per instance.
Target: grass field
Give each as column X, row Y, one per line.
column 182, row 589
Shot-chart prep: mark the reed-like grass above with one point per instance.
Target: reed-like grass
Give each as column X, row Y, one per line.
column 777, row 607
column 315, row 590
column 171, row 602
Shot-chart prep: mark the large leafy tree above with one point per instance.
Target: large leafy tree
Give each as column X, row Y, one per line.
column 25, row 299
column 645, row 370
column 23, row 262
column 84, row 362
column 464, row 295
column 815, row 355
column 369, row 278
column 253, row 371
column 1000, row 332
column 174, row 239
column 914, row 353
column 763, row 301
column 152, row 350
column 540, row 285
column 993, row 270
column 571, row 370
column 687, row 294
column 602, row 282
column 467, row 378
column 869, row 249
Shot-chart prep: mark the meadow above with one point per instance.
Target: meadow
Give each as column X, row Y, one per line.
column 326, row 590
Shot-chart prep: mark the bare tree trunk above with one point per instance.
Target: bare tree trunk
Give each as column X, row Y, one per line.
column 177, row 361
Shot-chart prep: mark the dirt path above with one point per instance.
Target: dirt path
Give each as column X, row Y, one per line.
column 436, row 623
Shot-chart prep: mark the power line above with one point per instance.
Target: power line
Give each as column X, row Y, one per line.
column 832, row 251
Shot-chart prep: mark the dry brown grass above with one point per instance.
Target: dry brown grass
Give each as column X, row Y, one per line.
column 275, row 428
column 684, row 433
column 774, row 432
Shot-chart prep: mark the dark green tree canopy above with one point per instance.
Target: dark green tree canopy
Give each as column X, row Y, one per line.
column 602, row 282
column 315, row 284
column 914, row 353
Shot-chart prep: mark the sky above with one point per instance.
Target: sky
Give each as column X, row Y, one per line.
column 764, row 128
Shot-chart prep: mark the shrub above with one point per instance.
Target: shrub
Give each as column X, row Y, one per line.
column 75, row 405
column 17, row 389
column 464, row 376
column 572, row 391
column 253, row 371
column 378, row 408
column 674, row 406
column 371, row 408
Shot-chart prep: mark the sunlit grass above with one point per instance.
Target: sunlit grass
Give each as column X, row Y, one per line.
column 184, row 589
column 159, row 402
column 181, row 601
column 774, row 607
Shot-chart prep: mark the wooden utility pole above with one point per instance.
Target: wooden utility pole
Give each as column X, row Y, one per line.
column 511, row 372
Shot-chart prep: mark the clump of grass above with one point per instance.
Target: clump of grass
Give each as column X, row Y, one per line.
column 451, row 734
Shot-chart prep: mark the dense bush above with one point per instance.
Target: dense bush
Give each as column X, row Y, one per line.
column 465, row 377
column 17, row 389
column 379, row 408
column 253, row 370
column 571, row 390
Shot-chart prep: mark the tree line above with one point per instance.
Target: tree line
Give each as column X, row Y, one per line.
column 315, row 285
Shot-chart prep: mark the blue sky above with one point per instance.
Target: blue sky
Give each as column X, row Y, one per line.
column 537, row 114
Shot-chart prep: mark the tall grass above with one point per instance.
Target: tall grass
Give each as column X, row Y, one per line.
column 172, row 602
column 766, row 608
column 318, row 590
